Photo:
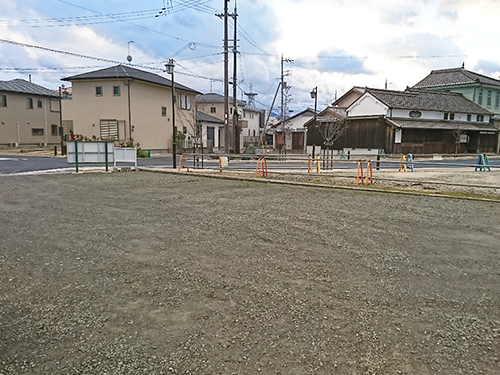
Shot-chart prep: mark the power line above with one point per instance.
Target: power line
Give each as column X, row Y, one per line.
column 82, row 20
column 140, row 26
column 78, row 55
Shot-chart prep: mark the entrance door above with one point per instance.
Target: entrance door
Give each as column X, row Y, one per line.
column 210, row 137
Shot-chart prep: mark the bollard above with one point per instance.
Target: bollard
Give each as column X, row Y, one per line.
column 55, row 150
column 378, row 162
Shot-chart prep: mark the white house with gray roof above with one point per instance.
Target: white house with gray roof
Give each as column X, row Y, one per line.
column 418, row 121
column 29, row 114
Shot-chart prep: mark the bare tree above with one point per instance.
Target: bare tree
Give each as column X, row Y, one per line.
column 457, row 133
column 331, row 128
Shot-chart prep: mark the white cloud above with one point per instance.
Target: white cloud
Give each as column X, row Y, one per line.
column 363, row 43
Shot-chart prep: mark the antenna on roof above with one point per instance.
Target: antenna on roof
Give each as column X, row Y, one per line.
column 129, row 57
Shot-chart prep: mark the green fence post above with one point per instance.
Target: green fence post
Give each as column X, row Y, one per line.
column 76, row 156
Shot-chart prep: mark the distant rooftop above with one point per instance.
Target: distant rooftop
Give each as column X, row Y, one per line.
column 215, row 98
column 24, row 87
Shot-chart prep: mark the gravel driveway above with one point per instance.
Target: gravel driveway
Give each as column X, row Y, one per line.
column 147, row 273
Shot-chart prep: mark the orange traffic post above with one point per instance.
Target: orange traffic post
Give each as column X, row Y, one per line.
column 310, row 165
column 369, row 173
column 261, row 169
column 257, row 167
column 180, row 163
column 359, row 174
column 220, row 165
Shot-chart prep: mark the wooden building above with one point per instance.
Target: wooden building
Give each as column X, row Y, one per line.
column 416, row 121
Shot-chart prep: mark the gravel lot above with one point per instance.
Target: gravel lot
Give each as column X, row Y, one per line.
column 148, row 273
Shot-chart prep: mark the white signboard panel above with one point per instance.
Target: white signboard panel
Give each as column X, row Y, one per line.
column 90, row 152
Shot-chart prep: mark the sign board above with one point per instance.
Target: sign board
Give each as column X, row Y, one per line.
column 125, row 155
column 90, row 152
column 397, row 135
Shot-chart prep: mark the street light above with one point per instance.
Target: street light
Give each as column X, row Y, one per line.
column 170, row 70
column 61, row 128
column 314, row 95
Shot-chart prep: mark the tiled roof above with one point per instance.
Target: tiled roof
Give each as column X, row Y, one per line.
column 327, row 115
column 455, row 77
column 201, row 116
column 441, row 124
column 427, row 100
column 25, row 87
column 125, row 72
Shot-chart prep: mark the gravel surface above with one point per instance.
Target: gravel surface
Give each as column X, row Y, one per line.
column 148, row 273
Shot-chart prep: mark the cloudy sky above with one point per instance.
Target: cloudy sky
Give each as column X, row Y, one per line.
column 334, row 44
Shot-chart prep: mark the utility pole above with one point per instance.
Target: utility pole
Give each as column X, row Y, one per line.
column 226, row 80
column 236, row 128
column 284, row 88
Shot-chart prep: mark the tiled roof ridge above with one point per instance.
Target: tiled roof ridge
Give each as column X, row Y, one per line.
column 433, row 92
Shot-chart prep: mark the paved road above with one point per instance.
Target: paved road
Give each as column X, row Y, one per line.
column 13, row 164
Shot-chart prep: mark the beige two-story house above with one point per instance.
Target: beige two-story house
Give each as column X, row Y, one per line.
column 29, row 114
column 121, row 103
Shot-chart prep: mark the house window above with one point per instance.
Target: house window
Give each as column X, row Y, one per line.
column 116, row 90
column 184, row 130
column 29, row 103
column 53, row 129
column 480, row 97
column 40, row 103
column 37, row 131
column 109, row 129
column 488, row 99
column 452, row 116
column 213, row 110
column 185, row 101
column 497, row 100
column 469, row 117
column 480, row 118
column 415, row 114
column 164, row 111
column 3, row 100
column 445, row 116
column 98, row 91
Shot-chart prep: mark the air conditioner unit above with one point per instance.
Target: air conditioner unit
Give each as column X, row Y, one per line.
column 14, row 144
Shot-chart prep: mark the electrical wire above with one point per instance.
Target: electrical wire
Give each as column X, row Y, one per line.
column 82, row 20
column 143, row 27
